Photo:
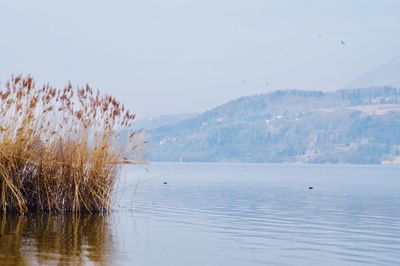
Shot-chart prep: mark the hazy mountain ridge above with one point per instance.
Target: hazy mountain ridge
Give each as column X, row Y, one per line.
column 150, row 123
column 345, row 126
column 388, row 74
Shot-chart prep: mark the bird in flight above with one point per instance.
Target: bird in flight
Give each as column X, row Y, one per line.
column 342, row 42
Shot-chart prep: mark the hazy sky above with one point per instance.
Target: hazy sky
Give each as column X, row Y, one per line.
column 179, row 56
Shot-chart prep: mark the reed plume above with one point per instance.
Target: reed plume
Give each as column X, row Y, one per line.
column 58, row 148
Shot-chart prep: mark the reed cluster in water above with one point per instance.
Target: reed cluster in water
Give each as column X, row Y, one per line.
column 58, row 147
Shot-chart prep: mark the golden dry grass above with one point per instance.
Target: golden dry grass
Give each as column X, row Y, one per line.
column 57, row 147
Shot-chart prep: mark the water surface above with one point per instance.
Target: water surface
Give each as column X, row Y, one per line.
column 224, row 214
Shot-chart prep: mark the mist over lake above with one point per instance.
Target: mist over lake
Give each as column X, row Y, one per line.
column 225, row 214
column 151, row 132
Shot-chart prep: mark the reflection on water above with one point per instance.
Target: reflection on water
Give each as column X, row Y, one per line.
column 54, row 239
column 225, row 215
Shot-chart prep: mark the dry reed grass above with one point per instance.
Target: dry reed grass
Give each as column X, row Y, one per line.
column 57, row 147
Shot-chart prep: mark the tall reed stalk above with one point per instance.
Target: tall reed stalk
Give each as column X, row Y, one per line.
column 58, row 149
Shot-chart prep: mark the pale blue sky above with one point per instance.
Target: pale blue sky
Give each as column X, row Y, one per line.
column 165, row 57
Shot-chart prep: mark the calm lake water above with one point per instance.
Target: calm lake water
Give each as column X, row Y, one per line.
column 224, row 214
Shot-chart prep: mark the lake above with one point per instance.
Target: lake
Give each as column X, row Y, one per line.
column 224, row 214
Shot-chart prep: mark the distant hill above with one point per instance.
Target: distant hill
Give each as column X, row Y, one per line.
column 346, row 126
column 388, row 74
column 150, row 123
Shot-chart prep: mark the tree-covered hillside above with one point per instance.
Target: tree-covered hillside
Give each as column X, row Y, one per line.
column 346, row 126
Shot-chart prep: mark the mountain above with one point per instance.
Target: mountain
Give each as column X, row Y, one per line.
column 388, row 74
column 345, row 126
column 150, row 123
